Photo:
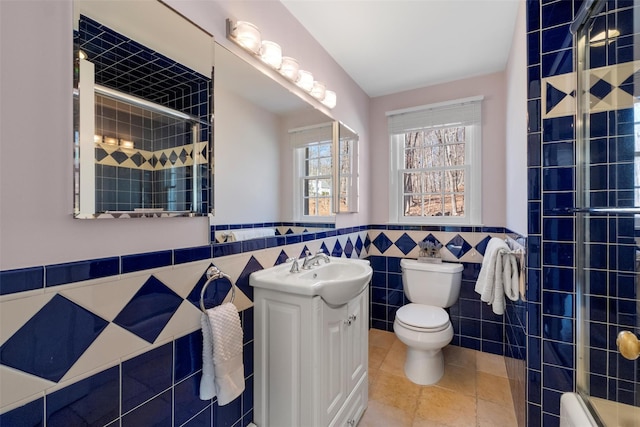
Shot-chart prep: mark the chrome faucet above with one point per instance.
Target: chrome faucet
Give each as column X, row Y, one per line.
column 318, row 255
column 310, row 261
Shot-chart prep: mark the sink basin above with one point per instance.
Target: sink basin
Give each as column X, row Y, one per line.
column 337, row 281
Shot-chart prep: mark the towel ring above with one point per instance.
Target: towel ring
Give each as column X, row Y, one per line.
column 213, row 273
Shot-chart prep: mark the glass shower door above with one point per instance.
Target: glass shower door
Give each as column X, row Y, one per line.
column 607, row 211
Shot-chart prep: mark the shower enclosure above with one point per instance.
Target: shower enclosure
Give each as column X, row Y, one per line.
column 608, row 209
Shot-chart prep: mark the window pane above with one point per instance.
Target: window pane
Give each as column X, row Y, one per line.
column 324, row 150
column 323, row 206
column 412, row 158
column 454, row 154
column 412, row 182
column 454, row 204
column 432, row 205
column 433, row 182
column 325, row 166
column 454, row 180
column 434, row 157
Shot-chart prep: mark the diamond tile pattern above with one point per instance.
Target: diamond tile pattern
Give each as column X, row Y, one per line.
column 382, row 242
column 405, row 243
column 348, row 248
column 458, row 246
column 601, row 89
column 482, row 245
column 49, row 343
column 149, row 310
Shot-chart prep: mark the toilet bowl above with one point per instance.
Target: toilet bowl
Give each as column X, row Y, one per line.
column 425, row 328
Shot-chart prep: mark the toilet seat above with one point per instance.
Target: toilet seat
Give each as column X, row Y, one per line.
column 423, row 318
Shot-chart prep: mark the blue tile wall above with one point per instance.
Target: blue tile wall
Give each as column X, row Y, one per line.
column 551, row 306
column 160, row 385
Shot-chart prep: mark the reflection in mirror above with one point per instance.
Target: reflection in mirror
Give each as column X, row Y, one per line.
column 254, row 168
column 142, row 133
column 346, row 151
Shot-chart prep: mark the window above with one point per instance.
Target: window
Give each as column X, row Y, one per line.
column 313, row 168
column 347, row 169
column 436, row 163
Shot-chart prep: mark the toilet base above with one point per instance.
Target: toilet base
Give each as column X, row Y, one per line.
column 424, row 367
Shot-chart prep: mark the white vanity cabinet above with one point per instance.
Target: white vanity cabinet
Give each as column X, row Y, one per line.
column 310, row 360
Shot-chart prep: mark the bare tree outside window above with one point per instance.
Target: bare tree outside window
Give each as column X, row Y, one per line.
column 434, row 172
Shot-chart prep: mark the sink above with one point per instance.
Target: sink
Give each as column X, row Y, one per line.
column 337, row 281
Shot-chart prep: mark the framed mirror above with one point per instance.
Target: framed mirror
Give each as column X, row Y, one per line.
column 345, row 146
column 143, row 81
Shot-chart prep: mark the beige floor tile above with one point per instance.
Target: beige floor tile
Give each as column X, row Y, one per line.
column 395, row 390
column 493, row 415
column 382, row 339
column 376, row 356
column 427, row 423
column 394, row 362
column 458, row 379
column 380, row 415
column 491, row 364
column 494, row 389
column 460, row 356
column 446, row 407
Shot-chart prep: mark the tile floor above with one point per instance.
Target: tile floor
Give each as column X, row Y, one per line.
column 474, row 390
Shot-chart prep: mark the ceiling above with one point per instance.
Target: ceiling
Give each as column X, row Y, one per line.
column 389, row 46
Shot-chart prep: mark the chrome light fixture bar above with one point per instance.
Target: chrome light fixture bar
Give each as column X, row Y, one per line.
column 248, row 37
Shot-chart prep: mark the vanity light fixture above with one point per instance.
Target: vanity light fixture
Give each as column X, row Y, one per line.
column 110, row 141
column 247, row 36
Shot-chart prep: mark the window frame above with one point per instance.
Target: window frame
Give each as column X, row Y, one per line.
column 299, row 175
column 472, row 164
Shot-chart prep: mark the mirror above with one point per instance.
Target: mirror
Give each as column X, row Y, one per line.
column 142, row 106
column 254, row 167
column 346, row 186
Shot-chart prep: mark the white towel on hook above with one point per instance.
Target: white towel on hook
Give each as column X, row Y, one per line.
column 510, row 276
column 490, row 281
column 226, row 354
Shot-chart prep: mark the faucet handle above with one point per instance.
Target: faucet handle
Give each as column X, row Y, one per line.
column 294, row 266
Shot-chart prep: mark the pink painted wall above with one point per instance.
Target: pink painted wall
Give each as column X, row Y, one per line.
column 36, row 157
column 516, row 121
column 493, row 140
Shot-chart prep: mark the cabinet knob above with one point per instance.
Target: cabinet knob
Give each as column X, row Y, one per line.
column 351, row 422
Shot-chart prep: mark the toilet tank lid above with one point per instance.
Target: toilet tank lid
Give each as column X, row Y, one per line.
column 444, row 267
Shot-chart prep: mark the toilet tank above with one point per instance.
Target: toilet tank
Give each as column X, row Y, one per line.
column 435, row 284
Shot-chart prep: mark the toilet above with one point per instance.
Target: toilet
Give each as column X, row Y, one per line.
column 424, row 325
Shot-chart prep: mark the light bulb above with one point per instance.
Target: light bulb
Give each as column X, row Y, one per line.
column 305, row 80
column 248, row 36
column 271, row 54
column 289, row 68
column 329, row 98
column 318, row 90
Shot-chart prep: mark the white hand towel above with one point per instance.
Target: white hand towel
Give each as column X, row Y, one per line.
column 511, row 276
column 228, row 368
column 490, row 281
column 207, row 384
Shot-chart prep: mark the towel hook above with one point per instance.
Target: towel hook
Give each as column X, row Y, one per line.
column 214, row 273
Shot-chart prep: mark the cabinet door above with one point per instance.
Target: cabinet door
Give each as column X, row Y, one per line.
column 357, row 338
column 334, row 369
